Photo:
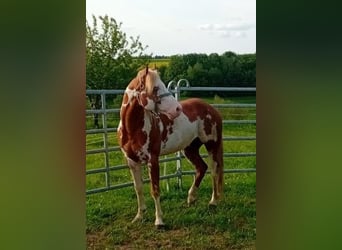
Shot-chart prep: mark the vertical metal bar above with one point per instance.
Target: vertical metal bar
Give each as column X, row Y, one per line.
column 178, row 162
column 167, row 181
column 105, row 137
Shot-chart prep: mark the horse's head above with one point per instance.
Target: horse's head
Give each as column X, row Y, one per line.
column 153, row 95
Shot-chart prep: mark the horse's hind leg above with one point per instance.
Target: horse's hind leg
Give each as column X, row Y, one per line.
column 192, row 153
column 215, row 160
column 136, row 171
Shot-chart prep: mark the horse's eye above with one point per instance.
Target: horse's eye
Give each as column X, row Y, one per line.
column 155, row 89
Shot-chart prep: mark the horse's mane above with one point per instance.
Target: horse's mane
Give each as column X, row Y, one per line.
column 151, row 77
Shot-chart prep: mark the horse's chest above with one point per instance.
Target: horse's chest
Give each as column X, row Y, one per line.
column 140, row 144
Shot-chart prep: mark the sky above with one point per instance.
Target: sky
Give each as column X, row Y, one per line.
column 171, row 27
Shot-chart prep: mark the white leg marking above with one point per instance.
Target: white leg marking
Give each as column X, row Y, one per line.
column 159, row 214
column 213, row 168
column 192, row 193
column 136, row 171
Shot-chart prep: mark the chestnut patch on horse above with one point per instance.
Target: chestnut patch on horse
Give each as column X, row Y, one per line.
column 154, row 143
column 167, row 127
column 196, row 109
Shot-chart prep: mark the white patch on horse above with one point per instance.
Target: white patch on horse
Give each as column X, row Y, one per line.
column 150, row 104
column 161, row 126
column 183, row 133
column 192, row 194
column 131, row 163
column 204, row 137
column 130, row 93
column 119, row 128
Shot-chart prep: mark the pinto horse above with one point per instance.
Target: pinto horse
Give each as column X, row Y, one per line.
column 153, row 123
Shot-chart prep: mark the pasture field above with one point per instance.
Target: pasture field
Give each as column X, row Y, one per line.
column 156, row 63
column 231, row 225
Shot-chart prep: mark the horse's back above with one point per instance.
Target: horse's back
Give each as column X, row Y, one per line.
column 208, row 118
column 195, row 108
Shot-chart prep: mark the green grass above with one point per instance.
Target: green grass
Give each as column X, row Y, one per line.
column 232, row 225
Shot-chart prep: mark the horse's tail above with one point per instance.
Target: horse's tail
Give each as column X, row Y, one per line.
column 220, row 170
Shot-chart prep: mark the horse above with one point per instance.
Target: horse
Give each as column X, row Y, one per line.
column 154, row 123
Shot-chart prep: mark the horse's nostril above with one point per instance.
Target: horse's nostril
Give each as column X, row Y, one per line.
column 178, row 109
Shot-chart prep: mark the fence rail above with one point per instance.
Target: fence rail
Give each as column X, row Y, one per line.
column 175, row 88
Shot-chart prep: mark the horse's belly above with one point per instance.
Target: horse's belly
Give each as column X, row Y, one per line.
column 184, row 132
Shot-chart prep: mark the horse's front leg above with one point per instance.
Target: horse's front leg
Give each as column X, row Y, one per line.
column 155, row 191
column 136, row 171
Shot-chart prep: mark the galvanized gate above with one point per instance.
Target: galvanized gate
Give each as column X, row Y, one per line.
column 103, row 133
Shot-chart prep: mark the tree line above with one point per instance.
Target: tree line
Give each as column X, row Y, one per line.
column 112, row 60
column 228, row 69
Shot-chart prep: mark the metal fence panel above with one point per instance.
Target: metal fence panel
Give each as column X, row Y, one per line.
column 106, row 131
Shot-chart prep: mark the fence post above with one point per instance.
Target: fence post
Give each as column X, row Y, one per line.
column 178, row 154
column 105, row 137
column 167, row 181
column 178, row 171
column 179, row 161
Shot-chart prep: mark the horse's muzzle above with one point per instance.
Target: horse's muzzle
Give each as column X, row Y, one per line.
column 178, row 110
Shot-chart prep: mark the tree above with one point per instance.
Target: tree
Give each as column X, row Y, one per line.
column 230, row 68
column 111, row 60
column 197, row 74
column 215, row 77
column 176, row 69
column 248, row 69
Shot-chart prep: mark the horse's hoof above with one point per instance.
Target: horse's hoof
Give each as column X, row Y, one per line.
column 160, row 227
column 213, row 202
column 212, row 205
column 191, row 201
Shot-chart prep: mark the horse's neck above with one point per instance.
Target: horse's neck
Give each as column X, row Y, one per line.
column 132, row 116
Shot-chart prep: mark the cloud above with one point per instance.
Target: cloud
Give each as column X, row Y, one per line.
column 235, row 34
column 237, row 30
